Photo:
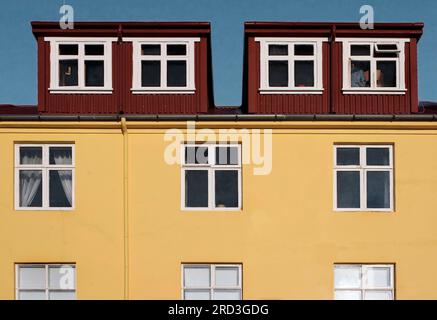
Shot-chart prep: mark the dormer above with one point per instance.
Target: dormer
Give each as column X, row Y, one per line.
column 124, row 67
column 324, row 68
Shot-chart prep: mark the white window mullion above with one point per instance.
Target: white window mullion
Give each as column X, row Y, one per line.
column 291, row 80
column 211, row 188
column 81, row 65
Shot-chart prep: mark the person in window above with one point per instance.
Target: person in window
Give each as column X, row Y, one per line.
column 360, row 75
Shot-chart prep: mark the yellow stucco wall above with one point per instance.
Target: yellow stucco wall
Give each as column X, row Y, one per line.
column 287, row 235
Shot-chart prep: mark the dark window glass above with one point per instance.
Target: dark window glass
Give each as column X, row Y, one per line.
column 150, row 49
column 176, row 49
column 30, row 188
column 30, row 155
column 60, row 188
column 150, row 73
column 303, row 50
column 94, row 50
column 94, row 74
column 360, row 74
column 348, row 189
column 392, row 47
column 196, row 155
column 68, row 73
column 348, row 156
column 360, row 50
column 278, row 50
column 177, row 73
column 378, row 156
column 378, row 189
column 196, row 188
column 60, row 155
column 226, row 188
column 226, row 155
column 68, row 49
column 386, row 73
column 385, row 54
column 278, row 73
column 304, row 73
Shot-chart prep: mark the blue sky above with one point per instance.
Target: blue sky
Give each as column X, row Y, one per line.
column 18, row 47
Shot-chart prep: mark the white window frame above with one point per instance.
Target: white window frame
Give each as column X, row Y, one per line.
column 291, row 58
column 364, row 288
column 211, row 167
column 362, row 168
column 47, row 288
column 212, row 279
column 137, row 58
column 45, row 167
column 55, row 57
column 400, row 89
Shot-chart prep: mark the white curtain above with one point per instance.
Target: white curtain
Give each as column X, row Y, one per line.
column 64, row 157
column 29, row 184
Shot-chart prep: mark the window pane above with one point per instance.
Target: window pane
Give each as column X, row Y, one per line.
column 226, row 155
column 150, row 73
column 30, row 188
column 378, row 277
column 60, row 155
column 348, row 156
column 386, row 73
column 278, row 50
column 226, row 276
column 378, row 156
column 196, row 188
column 176, row 49
column 360, row 74
column 303, row 50
column 68, row 73
column 278, row 73
column 378, row 295
column 360, row 50
column 68, row 49
column 62, row 295
column 347, row 295
column 32, row 277
column 226, row 188
column 348, row 189
column 227, row 294
column 304, row 73
column 197, row 276
column 197, row 295
column 32, row 295
column 390, row 47
column 30, row 155
column 378, row 189
column 347, row 277
column 94, row 73
column 150, row 49
column 176, row 73
column 94, row 50
column 196, row 155
column 62, row 277
column 60, row 188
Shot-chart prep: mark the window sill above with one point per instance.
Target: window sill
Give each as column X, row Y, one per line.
column 80, row 91
column 43, row 209
column 163, row 91
column 376, row 91
column 218, row 210
column 290, row 91
column 364, row 211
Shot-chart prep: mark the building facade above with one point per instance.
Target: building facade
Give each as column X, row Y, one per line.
column 126, row 182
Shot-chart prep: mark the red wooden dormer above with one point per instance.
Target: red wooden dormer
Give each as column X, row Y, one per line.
column 321, row 68
column 124, row 67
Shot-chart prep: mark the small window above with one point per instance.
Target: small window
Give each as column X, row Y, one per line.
column 363, row 178
column 364, row 282
column 44, row 177
column 46, row 282
column 291, row 65
column 163, row 66
column 211, row 282
column 82, row 67
column 211, row 177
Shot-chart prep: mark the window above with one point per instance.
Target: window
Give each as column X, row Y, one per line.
column 80, row 65
column 363, row 178
column 291, row 65
column 45, row 282
column 211, row 177
column 364, row 282
column 163, row 65
column 374, row 65
column 44, row 176
column 211, row 282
